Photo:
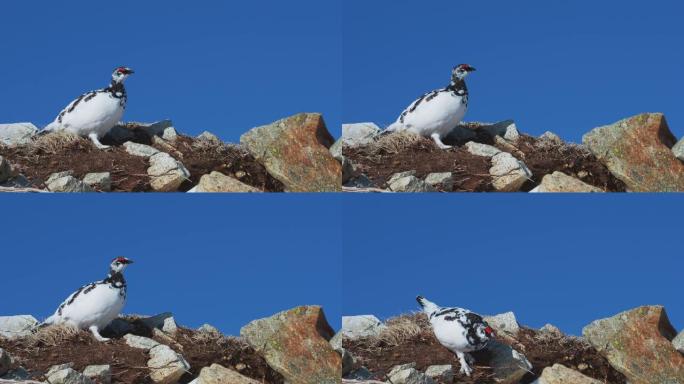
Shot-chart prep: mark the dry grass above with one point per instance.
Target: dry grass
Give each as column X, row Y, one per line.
column 51, row 336
column 393, row 143
column 56, row 142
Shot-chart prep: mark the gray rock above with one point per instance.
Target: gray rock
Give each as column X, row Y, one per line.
column 17, row 326
column 559, row 374
column 208, row 328
column 678, row 149
column 411, row 184
column 154, row 129
column 551, row 330
column 18, row 374
column 348, row 170
column 354, row 327
column 166, row 366
column 137, row 149
column 441, row 373
column 353, row 381
column 484, row 150
column 508, row 173
column 550, row 138
column 359, row 134
column 64, row 182
column 170, row 326
column 156, row 321
column 119, row 327
column 5, row 169
column 209, row 137
column 409, row 376
column 400, row 175
column 361, row 373
column 170, row 134
column 166, row 173
column 508, row 365
column 560, row 182
column 99, row 373
column 400, row 367
column 443, row 179
column 347, row 358
column 511, row 133
column 505, row 129
column 336, row 150
column 678, row 342
column 5, row 361
column 217, row 374
column 121, row 133
column 19, row 181
column 68, row 376
column 504, row 323
column 58, row 367
column 218, row 182
column 140, row 342
column 99, row 181
column 17, row 133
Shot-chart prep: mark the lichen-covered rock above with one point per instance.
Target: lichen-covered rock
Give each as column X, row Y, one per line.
column 504, row 323
column 295, row 343
column 65, row 182
column 217, row 374
column 410, row 184
column 17, row 133
column 140, row 342
column 479, row 149
column 440, row 373
column 678, row 342
column 218, row 182
column 137, row 149
column 560, row 182
column 359, row 133
column 101, row 181
column 5, row 361
column 166, row 173
column 68, row 376
column 409, row 375
column 166, row 366
column 637, row 151
column 5, row 169
column 295, row 150
column 638, row 344
column 508, row 365
column 98, row 373
column 354, row 327
column 508, row 173
column 559, row 374
column 441, row 179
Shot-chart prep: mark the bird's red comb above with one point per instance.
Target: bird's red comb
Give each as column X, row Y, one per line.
column 121, row 259
column 489, row 331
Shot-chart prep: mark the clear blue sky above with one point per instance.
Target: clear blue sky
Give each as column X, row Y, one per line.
column 560, row 259
column 223, row 260
column 564, row 66
column 222, row 66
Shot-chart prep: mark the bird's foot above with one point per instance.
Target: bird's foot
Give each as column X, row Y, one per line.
column 438, row 140
column 466, row 370
column 93, row 137
column 96, row 333
column 469, row 359
column 463, row 359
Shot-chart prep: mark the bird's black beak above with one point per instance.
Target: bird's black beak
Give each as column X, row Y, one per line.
column 129, row 261
column 471, row 69
column 130, row 72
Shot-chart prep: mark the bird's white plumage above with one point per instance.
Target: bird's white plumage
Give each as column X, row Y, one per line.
column 98, row 115
column 97, row 307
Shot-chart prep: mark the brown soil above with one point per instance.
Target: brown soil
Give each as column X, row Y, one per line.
column 384, row 157
column 57, row 152
column 129, row 365
column 379, row 355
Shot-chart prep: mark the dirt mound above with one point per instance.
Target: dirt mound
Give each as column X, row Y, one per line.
column 409, row 338
column 59, row 345
column 59, row 151
column 399, row 152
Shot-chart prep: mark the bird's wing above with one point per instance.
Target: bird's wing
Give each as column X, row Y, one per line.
column 413, row 106
column 70, row 299
column 70, row 108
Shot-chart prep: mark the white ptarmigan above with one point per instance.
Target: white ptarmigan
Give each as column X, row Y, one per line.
column 95, row 305
column 459, row 330
column 437, row 112
column 94, row 113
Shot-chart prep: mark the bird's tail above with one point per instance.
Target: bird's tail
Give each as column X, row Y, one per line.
column 428, row 306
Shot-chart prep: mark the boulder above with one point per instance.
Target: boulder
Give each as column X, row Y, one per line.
column 5, row 169
column 444, row 180
column 408, row 374
column 638, row 344
column 505, row 129
column 356, row 327
column 551, row 330
column 208, row 328
column 18, row 374
column 98, row 373
column 549, row 138
column 101, row 181
column 170, row 134
column 209, row 137
column 156, row 321
column 560, row 182
column 140, row 342
column 121, row 133
column 400, row 175
column 637, row 151
column 347, row 358
column 68, row 376
column 336, row 150
column 17, row 326
column 142, row 150
column 504, row 323
column 411, row 184
column 479, row 149
column 295, row 343
column 17, row 133
column 5, row 361
column 166, row 173
column 359, row 134
column 508, row 365
column 218, row 182
column 217, row 374
column 166, row 366
column 295, row 151
column 508, row 173
column 119, row 327
column 65, row 182
column 440, row 373
column 559, row 374
column 678, row 342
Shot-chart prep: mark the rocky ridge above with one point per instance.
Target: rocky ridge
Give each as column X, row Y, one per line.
column 157, row 350
column 638, row 346
column 637, row 154
column 291, row 154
